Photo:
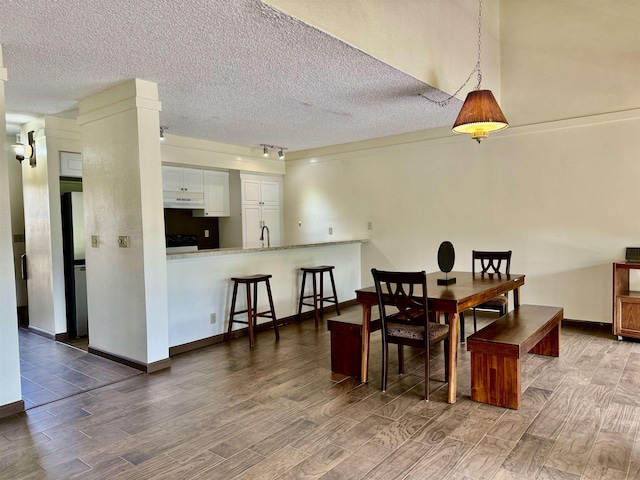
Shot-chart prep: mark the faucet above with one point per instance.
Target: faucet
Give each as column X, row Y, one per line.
column 262, row 236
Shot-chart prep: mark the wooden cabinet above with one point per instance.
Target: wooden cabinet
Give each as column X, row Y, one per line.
column 180, row 179
column 261, row 208
column 626, row 302
column 216, row 195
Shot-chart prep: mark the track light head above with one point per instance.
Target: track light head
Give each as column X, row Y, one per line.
column 266, row 148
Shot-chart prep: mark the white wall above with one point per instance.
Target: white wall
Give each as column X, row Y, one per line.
column 10, row 390
column 562, row 196
column 17, row 217
column 568, row 58
column 200, row 285
column 122, row 180
column 177, row 150
column 433, row 40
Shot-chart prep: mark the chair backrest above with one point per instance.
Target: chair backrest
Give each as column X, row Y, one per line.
column 402, row 297
column 492, row 262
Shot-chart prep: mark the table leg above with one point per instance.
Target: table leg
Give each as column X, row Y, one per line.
column 453, row 320
column 516, row 297
column 366, row 332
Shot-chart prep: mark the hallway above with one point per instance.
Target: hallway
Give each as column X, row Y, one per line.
column 51, row 370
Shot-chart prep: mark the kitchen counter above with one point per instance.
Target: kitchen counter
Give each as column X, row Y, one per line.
column 239, row 250
column 199, row 283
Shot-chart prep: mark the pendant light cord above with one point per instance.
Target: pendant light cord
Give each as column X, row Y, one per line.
column 476, row 69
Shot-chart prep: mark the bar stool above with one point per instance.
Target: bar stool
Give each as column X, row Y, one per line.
column 318, row 296
column 252, row 314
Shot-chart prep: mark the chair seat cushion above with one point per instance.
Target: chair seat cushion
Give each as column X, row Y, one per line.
column 496, row 303
column 437, row 331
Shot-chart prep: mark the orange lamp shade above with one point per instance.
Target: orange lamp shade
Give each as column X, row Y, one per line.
column 479, row 115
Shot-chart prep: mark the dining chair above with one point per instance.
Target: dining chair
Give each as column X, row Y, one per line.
column 402, row 301
column 492, row 263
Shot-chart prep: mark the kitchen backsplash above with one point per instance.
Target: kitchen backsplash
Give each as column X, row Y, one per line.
column 181, row 222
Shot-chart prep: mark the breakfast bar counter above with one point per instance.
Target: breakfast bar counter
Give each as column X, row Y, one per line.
column 199, row 286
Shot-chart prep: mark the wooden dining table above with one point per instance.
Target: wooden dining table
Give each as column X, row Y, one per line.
column 469, row 290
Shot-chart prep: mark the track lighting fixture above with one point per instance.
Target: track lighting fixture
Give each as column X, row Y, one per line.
column 26, row 151
column 162, row 129
column 266, row 148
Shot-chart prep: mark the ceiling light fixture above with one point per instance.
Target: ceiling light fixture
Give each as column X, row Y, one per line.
column 480, row 113
column 26, row 151
column 266, row 148
column 162, row 129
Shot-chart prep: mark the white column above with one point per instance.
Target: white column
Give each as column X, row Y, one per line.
column 10, row 392
column 122, row 185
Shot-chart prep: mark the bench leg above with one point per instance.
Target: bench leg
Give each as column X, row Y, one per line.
column 496, row 380
column 550, row 344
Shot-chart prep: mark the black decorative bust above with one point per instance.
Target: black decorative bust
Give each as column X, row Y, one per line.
column 446, row 259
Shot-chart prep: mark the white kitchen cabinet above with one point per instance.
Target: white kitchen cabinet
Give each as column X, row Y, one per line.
column 261, row 199
column 254, row 217
column 260, row 191
column 216, row 195
column 70, row 164
column 180, row 179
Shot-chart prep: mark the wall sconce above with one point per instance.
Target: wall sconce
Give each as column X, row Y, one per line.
column 266, row 148
column 26, row 151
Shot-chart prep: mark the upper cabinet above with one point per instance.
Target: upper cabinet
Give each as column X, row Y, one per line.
column 216, row 194
column 180, row 179
column 260, row 191
column 70, row 164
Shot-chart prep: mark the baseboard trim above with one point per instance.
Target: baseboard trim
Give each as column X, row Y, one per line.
column 42, row 333
column 208, row 341
column 159, row 365
column 586, row 325
column 11, row 408
column 145, row 367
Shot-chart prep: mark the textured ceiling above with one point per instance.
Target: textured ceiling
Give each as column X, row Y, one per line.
column 231, row 71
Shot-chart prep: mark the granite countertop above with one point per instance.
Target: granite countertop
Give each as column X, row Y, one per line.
column 233, row 251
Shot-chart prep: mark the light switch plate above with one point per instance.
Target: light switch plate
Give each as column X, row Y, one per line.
column 123, row 241
column 94, row 241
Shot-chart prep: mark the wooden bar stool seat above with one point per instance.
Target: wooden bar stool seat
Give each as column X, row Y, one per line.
column 318, row 295
column 252, row 305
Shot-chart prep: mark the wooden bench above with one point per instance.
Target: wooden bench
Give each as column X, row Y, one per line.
column 346, row 342
column 496, row 351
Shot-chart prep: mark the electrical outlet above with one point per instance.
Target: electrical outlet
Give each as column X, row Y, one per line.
column 123, row 241
column 369, row 226
column 330, row 230
column 94, row 241
column 212, row 318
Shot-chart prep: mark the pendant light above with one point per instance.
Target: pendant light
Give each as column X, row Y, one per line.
column 480, row 113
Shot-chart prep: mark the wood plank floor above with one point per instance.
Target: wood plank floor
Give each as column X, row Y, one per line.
column 52, row 370
column 277, row 411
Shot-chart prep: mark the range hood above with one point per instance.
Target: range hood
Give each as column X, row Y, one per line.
column 187, row 200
